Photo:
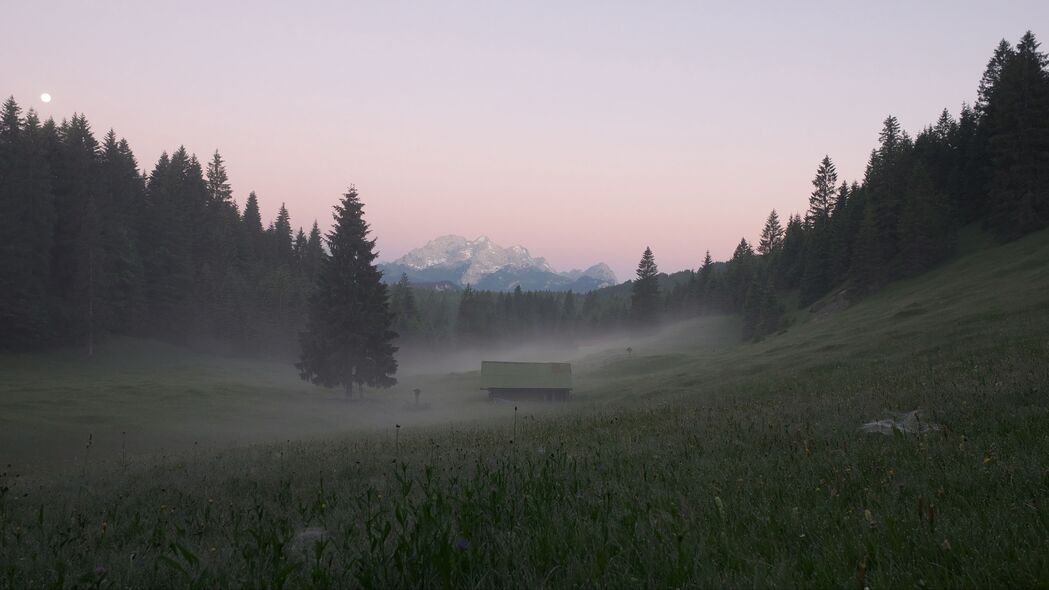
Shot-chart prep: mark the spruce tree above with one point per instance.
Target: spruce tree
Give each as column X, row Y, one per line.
column 282, row 234
column 886, row 181
column 752, row 305
column 770, row 316
column 771, row 235
column 219, row 191
column 568, row 311
column 26, row 224
column 252, row 236
column 472, row 324
column 175, row 198
column 122, row 213
column 738, row 275
column 1003, row 54
column 1018, row 127
column 644, row 299
column 867, row 271
column 78, row 252
column 815, row 274
column 402, row 304
column 824, row 185
column 926, row 225
column 843, row 228
column 705, row 284
column 791, row 260
column 298, row 247
column 971, row 170
column 348, row 339
column 313, row 253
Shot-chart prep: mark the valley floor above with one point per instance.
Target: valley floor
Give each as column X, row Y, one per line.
column 692, row 462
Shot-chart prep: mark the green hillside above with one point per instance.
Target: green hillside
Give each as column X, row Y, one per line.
column 693, row 461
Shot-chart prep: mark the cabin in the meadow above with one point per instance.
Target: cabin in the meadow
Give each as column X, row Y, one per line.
column 526, row 381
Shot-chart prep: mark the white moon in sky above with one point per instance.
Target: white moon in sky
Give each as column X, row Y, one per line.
column 45, row 97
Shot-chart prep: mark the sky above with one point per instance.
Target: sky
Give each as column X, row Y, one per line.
column 582, row 130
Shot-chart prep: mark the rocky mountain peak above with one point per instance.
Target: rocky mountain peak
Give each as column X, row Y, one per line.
column 456, row 258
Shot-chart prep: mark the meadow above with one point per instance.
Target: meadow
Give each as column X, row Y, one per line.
column 694, row 461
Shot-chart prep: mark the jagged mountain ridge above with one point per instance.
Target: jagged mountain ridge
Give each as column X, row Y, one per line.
column 489, row 266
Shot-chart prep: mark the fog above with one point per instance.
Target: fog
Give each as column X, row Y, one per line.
column 143, row 401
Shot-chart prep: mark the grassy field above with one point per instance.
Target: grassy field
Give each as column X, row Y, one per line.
column 696, row 461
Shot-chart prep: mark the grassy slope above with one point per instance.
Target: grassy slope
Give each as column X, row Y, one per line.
column 688, row 463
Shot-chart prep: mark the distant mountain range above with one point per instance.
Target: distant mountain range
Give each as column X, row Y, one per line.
column 455, row 260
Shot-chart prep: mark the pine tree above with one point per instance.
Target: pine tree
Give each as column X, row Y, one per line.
column 752, row 304
column 26, row 225
column 926, row 225
column 815, row 276
column 1003, row 54
column 1018, row 127
column 770, row 316
column 219, row 191
column 971, row 171
column 121, row 214
column 252, row 240
column 568, row 311
column 175, row 198
column 886, row 181
column 282, row 232
column 824, row 185
column 298, row 247
column 644, row 300
column 844, row 225
column 866, row 270
column 472, row 324
column 771, row 236
column 739, row 274
column 705, row 284
column 78, row 255
column 313, row 254
column 791, row 258
column 348, row 339
column 402, row 304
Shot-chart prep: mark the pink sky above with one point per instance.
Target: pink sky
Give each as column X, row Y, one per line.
column 583, row 131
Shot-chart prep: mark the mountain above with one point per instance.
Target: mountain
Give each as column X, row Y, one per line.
column 489, row 266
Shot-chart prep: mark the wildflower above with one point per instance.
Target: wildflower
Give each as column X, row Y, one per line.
column 461, row 544
column 100, row 570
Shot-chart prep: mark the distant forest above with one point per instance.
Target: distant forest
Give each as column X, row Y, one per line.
column 91, row 246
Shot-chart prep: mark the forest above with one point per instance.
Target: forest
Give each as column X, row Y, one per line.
column 91, row 245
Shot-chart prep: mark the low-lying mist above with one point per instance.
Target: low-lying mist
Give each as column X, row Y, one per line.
column 143, row 399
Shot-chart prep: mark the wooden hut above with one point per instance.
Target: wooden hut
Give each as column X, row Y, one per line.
column 526, row 381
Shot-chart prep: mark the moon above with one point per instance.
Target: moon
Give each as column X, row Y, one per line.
column 45, row 97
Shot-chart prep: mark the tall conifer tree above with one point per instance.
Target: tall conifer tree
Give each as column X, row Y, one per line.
column 348, row 339
column 771, row 235
column 644, row 299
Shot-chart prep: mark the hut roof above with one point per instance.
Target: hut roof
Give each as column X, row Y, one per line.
column 505, row 375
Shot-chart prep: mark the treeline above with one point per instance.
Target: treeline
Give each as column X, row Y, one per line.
column 90, row 246
column 990, row 166
column 429, row 317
